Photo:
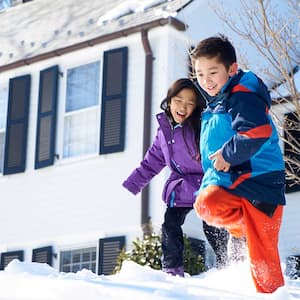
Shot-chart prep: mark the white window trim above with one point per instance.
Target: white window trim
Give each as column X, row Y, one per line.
column 61, row 113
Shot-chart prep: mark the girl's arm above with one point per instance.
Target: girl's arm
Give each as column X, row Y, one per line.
column 150, row 166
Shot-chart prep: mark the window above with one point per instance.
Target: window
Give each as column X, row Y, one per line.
column 3, row 112
column 4, row 4
column 76, row 260
column 292, row 156
column 81, row 123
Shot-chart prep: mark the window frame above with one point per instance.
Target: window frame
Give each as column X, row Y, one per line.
column 79, row 249
column 62, row 113
column 5, row 88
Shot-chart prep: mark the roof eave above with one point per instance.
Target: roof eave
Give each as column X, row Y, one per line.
column 98, row 40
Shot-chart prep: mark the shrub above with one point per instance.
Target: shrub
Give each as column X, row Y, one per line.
column 147, row 252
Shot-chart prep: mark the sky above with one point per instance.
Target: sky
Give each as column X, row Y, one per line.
column 35, row 281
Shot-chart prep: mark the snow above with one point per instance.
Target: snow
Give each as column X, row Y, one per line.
column 126, row 8
column 30, row 281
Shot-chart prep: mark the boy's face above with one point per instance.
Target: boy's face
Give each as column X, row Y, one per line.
column 212, row 75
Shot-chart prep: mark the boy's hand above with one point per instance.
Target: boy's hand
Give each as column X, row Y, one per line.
column 219, row 163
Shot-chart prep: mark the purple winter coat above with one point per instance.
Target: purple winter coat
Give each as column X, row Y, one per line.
column 175, row 148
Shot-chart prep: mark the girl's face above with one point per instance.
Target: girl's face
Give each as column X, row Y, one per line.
column 182, row 105
column 212, row 75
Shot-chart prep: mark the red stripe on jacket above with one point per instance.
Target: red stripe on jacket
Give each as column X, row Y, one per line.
column 263, row 131
column 240, row 180
column 240, row 88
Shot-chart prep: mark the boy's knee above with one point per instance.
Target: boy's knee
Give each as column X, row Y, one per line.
column 209, row 195
column 205, row 201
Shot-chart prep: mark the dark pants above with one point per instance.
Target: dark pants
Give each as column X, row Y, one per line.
column 218, row 240
column 172, row 238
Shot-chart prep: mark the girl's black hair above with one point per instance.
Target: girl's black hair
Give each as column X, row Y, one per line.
column 195, row 118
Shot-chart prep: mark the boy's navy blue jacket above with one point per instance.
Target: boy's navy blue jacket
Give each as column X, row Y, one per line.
column 237, row 121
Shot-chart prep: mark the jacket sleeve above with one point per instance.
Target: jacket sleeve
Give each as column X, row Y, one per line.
column 150, row 166
column 252, row 124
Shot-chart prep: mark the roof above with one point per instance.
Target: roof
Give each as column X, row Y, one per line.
column 36, row 28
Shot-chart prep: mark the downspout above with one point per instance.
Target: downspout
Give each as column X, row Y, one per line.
column 145, row 218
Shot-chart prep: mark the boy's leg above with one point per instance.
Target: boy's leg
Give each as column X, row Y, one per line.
column 172, row 240
column 237, row 249
column 218, row 239
column 262, row 240
column 221, row 208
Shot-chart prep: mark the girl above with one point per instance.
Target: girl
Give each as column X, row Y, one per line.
column 176, row 146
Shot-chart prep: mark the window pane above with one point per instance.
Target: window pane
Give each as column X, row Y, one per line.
column 3, row 108
column 86, row 256
column 3, row 114
column 66, row 269
column 2, row 142
column 86, row 266
column 75, row 268
column 82, row 87
column 76, row 260
column 81, row 133
column 66, row 257
column 5, row 4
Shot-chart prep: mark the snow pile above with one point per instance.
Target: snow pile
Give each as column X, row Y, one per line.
column 24, row 281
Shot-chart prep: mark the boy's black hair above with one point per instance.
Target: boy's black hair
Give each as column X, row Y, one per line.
column 174, row 89
column 216, row 46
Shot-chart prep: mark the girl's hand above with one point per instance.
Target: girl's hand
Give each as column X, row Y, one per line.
column 219, row 163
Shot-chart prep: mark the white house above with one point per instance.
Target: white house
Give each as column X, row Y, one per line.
column 80, row 85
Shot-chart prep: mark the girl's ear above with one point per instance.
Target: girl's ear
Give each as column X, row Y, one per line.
column 233, row 69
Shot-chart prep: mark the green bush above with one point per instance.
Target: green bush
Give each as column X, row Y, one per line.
column 147, row 252
column 193, row 262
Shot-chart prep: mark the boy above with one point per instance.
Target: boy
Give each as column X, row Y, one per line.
column 243, row 184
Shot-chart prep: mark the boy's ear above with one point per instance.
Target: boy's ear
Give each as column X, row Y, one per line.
column 233, row 69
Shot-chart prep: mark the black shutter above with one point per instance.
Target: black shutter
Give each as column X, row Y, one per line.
column 7, row 257
column 17, row 125
column 46, row 123
column 109, row 250
column 113, row 108
column 43, row 255
column 292, row 133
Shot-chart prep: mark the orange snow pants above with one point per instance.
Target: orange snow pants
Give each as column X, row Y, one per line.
column 220, row 208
